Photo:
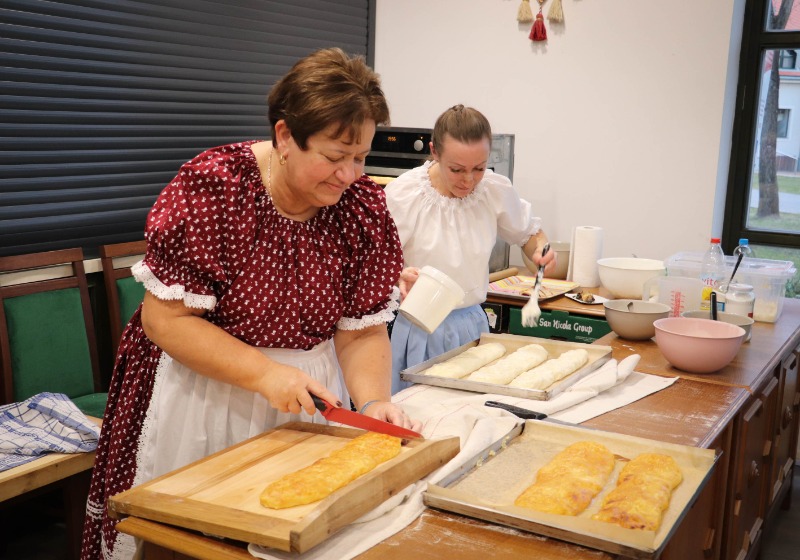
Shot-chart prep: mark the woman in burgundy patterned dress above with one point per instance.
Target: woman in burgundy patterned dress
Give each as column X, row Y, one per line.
column 270, row 274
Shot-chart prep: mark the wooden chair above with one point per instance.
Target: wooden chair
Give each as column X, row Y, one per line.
column 124, row 294
column 47, row 343
column 47, row 336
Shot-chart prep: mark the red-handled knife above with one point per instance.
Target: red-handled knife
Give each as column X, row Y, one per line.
column 344, row 416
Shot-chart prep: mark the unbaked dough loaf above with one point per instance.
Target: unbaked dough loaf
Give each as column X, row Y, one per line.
column 468, row 361
column 323, row 477
column 570, row 481
column 551, row 371
column 506, row 369
column 643, row 492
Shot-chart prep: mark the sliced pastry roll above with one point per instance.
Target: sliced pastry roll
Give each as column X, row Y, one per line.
column 551, row 371
column 643, row 492
column 468, row 361
column 323, row 477
column 507, row 368
column 570, row 481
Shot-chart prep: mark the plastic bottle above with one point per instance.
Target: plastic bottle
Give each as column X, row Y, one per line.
column 745, row 249
column 712, row 273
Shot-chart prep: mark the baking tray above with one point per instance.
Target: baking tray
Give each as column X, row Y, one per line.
column 219, row 495
column 598, row 355
column 520, row 287
column 486, row 486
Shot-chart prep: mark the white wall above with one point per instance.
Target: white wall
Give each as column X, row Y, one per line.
column 622, row 118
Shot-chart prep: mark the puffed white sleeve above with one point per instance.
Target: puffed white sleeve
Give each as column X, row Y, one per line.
column 515, row 220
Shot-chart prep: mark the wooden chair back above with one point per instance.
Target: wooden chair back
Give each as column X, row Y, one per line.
column 47, row 336
column 123, row 293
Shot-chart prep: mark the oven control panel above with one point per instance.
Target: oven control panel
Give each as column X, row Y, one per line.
column 402, row 141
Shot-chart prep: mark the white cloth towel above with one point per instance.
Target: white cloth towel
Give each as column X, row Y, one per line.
column 448, row 413
column 44, row 423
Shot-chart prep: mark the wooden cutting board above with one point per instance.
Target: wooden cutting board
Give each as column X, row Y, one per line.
column 219, row 495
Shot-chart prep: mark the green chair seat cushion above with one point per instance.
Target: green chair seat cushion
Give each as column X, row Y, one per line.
column 49, row 345
column 92, row 405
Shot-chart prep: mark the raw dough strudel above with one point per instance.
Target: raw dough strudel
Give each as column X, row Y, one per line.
column 643, row 491
column 322, row 478
column 509, row 367
column 468, row 361
column 570, row 481
column 551, row 371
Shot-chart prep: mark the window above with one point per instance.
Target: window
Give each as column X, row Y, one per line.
column 103, row 100
column 763, row 199
column 788, row 59
column 783, row 123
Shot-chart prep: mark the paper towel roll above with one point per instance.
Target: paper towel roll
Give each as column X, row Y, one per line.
column 587, row 247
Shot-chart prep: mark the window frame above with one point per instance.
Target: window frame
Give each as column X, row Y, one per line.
column 755, row 39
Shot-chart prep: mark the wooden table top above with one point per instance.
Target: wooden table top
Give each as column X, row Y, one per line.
column 45, row 470
column 758, row 356
column 693, row 411
column 560, row 303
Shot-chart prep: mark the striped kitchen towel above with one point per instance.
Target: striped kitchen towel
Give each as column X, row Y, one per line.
column 44, row 423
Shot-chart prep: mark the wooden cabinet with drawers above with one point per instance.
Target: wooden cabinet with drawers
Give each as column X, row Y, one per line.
column 785, row 432
column 751, row 471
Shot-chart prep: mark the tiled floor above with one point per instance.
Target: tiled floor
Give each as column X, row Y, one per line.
column 782, row 541
column 20, row 539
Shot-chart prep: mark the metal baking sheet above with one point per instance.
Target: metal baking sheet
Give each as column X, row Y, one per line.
column 520, row 287
column 486, row 486
column 598, row 355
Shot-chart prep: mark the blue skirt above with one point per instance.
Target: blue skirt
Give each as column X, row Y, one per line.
column 411, row 345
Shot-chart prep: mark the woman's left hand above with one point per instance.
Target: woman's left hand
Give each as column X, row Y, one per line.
column 408, row 277
column 548, row 261
column 389, row 412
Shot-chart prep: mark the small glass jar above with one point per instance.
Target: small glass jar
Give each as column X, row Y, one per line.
column 740, row 300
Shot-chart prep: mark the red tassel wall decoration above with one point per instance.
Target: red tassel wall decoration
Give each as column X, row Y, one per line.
column 538, row 31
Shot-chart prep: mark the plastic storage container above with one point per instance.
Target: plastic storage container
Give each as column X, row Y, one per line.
column 767, row 277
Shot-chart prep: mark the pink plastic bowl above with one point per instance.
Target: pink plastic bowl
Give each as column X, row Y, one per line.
column 698, row 345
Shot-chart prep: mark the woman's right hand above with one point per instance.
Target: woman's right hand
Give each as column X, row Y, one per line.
column 288, row 389
column 408, row 276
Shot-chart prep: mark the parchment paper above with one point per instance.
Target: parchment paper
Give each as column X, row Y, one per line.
column 495, row 483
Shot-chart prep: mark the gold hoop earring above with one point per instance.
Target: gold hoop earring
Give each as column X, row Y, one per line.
column 282, row 159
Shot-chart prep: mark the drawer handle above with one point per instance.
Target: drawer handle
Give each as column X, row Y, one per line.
column 708, row 547
column 755, row 472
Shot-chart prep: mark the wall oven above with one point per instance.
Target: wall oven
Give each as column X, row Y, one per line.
column 396, row 150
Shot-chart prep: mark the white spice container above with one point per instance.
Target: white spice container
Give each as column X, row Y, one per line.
column 740, row 300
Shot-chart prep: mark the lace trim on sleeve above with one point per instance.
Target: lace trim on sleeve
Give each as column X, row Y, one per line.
column 384, row 316
column 535, row 226
column 143, row 274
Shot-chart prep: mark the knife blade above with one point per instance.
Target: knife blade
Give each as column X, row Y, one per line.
column 344, row 416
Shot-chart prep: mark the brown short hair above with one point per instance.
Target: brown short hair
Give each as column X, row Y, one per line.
column 324, row 88
column 464, row 124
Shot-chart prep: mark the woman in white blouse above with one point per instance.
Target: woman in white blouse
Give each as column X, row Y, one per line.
column 449, row 213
